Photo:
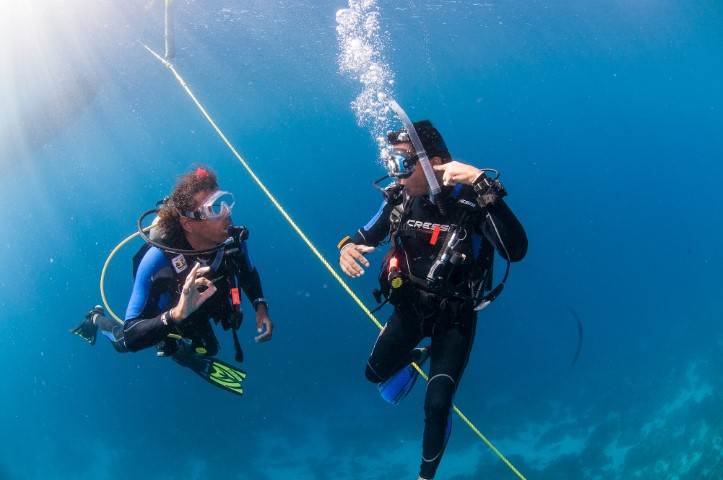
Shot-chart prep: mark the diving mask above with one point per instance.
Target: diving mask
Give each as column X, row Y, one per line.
column 218, row 205
column 400, row 163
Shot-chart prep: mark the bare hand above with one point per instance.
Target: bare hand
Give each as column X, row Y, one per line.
column 263, row 321
column 351, row 257
column 191, row 298
column 456, row 172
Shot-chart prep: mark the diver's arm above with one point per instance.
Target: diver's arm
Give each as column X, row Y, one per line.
column 142, row 333
column 375, row 231
column 353, row 248
column 248, row 276
column 150, row 270
column 455, row 172
column 250, row 281
column 504, row 230
column 500, row 226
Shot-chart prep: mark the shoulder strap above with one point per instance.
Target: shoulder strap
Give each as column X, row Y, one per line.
column 395, row 221
column 236, row 314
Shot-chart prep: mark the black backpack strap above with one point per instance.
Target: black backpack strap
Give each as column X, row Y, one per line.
column 237, row 314
column 395, row 224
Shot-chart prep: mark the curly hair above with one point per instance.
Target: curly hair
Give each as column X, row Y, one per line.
column 181, row 201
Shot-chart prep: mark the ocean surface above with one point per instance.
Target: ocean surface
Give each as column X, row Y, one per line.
column 605, row 119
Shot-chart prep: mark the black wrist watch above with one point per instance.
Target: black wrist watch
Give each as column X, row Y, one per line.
column 481, row 183
column 488, row 191
column 260, row 300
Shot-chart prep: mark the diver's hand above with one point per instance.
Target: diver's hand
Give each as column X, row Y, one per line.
column 191, row 298
column 456, row 172
column 351, row 256
column 263, row 320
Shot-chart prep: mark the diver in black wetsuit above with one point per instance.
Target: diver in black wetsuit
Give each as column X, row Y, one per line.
column 438, row 271
column 190, row 275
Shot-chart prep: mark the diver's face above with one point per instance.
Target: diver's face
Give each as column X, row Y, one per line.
column 416, row 183
column 208, row 232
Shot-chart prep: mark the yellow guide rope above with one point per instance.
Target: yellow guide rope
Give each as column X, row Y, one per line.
column 301, row 234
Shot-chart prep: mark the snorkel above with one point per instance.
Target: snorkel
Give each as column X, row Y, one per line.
column 434, row 188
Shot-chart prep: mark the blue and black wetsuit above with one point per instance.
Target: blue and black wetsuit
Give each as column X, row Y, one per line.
column 445, row 312
column 158, row 282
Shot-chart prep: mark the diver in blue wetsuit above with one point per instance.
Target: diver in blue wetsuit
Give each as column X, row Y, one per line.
column 437, row 273
column 188, row 275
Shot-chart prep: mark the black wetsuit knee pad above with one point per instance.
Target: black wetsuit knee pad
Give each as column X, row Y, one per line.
column 371, row 376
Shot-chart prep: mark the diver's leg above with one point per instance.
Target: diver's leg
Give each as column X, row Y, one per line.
column 394, row 348
column 449, row 357
column 203, row 339
column 113, row 331
column 95, row 319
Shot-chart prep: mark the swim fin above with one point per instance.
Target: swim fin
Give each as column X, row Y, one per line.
column 88, row 330
column 214, row 371
column 394, row 389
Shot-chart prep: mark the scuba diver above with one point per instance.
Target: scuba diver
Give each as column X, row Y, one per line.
column 188, row 273
column 437, row 273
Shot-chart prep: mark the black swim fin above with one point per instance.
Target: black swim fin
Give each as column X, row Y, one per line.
column 88, row 330
column 213, row 370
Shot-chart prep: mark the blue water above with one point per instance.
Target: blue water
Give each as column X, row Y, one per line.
column 605, row 119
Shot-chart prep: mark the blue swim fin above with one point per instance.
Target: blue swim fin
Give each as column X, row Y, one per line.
column 395, row 388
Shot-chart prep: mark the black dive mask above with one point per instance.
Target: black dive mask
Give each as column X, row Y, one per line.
column 401, row 163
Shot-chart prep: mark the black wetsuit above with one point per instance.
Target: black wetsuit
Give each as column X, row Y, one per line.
column 442, row 310
column 158, row 282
